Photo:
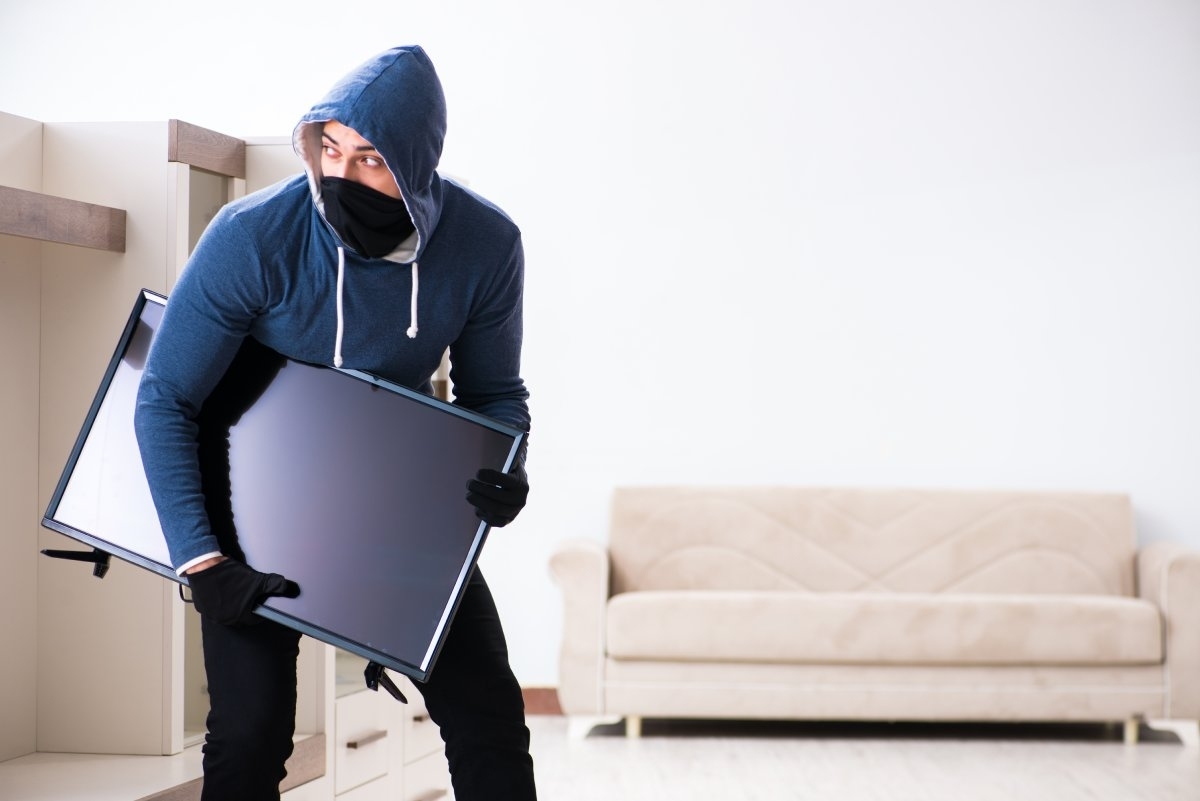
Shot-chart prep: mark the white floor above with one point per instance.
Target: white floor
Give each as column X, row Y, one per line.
column 864, row 762
column 743, row 761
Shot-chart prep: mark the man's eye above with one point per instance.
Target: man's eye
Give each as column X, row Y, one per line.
column 329, row 151
column 372, row 161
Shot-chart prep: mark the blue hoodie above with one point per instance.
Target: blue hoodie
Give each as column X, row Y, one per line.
column 270, row 267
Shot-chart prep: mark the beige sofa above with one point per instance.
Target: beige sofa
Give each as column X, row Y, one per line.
column 803, row 603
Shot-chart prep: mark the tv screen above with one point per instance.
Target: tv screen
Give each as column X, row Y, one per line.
column 349, row 485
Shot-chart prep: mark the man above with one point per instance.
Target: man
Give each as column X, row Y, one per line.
column 372, row 260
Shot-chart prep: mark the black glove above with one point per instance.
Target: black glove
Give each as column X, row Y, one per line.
column 228, row 592
column 498, row 497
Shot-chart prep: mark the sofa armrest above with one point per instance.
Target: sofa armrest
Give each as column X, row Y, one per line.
column 1169, row 576
column 581, row 568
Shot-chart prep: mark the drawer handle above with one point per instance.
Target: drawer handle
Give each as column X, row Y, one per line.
column 420, row 718
column 367, row 739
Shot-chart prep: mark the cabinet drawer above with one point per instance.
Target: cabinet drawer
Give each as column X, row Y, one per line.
column 426, row 779
column 362, row 739
column 377, row 790
column 421, row 735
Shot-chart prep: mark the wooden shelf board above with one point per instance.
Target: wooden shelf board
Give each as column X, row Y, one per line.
column 56, row 219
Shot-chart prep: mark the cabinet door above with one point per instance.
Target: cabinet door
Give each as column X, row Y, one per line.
column 109, row 652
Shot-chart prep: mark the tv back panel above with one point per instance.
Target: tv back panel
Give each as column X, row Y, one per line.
column 349, row 485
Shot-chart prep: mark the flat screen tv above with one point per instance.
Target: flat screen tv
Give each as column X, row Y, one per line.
column 349, row 485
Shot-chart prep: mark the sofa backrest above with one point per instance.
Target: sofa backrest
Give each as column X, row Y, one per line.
column 871, row 540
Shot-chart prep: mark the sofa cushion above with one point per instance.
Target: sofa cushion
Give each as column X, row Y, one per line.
column 889, row 628
column 871, row 540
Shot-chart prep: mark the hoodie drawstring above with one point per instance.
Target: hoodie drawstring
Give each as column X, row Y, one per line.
column 412, row 304
column 341, row 319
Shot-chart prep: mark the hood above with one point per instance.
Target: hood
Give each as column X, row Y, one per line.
column 395, row 102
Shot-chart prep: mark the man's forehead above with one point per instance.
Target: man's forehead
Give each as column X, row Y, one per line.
column 345, row 136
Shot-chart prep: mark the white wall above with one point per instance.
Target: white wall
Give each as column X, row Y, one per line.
column 923, row 243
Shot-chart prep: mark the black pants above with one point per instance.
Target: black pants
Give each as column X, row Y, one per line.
column 472, row 696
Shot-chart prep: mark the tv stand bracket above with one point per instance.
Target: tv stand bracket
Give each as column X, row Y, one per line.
column 376, row 676
column 97, row 557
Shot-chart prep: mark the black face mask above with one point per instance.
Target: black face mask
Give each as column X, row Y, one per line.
column 367, row 220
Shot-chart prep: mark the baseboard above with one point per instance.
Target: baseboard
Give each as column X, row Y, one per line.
column 541, row 701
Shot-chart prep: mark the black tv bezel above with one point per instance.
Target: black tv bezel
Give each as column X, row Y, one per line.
column 419, row 672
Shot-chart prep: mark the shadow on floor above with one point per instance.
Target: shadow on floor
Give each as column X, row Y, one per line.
column 859, row 730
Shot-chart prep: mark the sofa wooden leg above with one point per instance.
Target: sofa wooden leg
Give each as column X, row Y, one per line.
column 1188, row 731
column 580, row 726
column 633, row 727
column 1132, row 726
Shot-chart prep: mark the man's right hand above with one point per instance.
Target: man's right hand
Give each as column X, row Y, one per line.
column 229, row 591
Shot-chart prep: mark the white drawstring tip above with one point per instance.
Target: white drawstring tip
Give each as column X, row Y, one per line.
column 412, row 332
column 337, row 361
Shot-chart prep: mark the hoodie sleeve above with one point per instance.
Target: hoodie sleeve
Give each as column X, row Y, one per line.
column 208, row 315
column 485, row 360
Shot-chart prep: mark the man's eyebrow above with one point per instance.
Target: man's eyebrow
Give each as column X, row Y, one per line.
column 359, row 149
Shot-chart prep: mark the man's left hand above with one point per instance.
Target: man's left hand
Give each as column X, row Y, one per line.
column 498, row 497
